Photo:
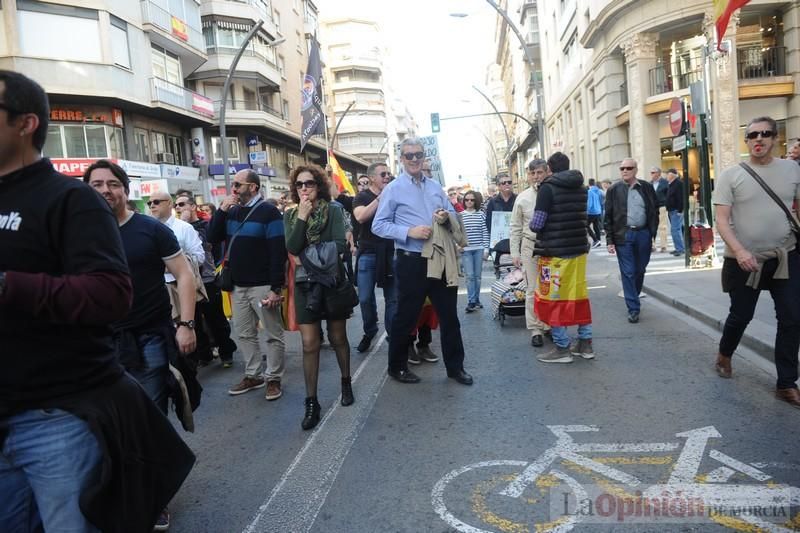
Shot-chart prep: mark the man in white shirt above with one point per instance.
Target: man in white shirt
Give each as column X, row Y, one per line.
column 161, row 207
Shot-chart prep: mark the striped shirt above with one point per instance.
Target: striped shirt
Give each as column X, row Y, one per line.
column 475, row 228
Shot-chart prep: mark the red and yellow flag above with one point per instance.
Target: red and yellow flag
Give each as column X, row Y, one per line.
column 561, row 297
column 339, row 176
column 723, row 10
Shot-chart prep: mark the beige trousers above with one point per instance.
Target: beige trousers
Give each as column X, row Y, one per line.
column 532, row 322
column 662, row 228
column 246, row 315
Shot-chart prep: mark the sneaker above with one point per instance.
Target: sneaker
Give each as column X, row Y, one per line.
column 246, row 385
column 227, row 363
column 470, row 308
column 583, row 348
column 162, row 524
column 273, row 390
column 427, row 354
column 557, row 355
column 479, row 305
column 413, row 356
column 363, row 346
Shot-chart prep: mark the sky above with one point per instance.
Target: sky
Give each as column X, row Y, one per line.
column 434, row 60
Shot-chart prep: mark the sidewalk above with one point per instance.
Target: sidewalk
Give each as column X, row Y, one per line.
column 698, row 293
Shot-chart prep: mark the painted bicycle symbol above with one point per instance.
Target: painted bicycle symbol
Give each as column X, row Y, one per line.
column 518, row 496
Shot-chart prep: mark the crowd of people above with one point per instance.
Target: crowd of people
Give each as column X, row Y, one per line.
column 124, row 306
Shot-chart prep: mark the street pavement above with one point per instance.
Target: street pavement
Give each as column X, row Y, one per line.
column 499, row 456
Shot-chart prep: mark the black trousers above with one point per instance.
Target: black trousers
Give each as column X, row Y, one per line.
column 217, row 323
column 594, row 227
column 413, row 285
column 786, row 295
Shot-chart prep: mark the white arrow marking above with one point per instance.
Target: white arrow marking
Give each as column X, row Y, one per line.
column 688, row 462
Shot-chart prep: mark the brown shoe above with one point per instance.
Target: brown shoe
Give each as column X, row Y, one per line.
column 246, row 385
column 273, row 390
column 723, row 366
column 790, row 396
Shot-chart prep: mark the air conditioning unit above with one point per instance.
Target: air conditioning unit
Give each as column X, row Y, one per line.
column 165, row 157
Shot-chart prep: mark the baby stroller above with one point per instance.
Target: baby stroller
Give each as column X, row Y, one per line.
column 508, row 291
column 501, row 249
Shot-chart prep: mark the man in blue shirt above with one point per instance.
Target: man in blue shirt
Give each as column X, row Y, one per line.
column 594, row 209
column 407, row 208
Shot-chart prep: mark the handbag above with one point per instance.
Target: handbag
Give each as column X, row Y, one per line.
column 223, row 277
column 792, row 221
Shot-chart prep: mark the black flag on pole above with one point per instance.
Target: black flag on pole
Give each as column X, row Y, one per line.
column 311, row 93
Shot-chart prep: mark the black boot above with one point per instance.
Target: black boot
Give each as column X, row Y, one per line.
column 312, row 413
column 347, row 392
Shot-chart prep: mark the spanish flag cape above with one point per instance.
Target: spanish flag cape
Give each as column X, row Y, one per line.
column 723, row 10
column 339, row 176
column 561, row 297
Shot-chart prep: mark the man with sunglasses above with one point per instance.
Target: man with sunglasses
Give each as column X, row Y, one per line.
column 253, row 229
column 631, row 223
column 408, row 208
column 502, row 201
column 374, row 259
column 761, row 252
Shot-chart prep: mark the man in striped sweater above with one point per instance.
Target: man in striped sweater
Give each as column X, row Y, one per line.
column 253, row 229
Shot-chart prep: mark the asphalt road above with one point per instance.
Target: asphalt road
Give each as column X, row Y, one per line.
column 511, row 453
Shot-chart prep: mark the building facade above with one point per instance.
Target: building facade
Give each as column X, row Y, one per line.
column 141, row 83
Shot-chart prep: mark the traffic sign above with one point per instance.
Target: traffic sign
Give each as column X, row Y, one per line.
column 678, row 143
column 676, row 116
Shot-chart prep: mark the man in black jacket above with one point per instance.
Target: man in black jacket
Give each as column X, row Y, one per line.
column 675, row 202
column 631, row 223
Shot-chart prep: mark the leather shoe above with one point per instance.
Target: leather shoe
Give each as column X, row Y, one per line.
column 633, row 317
column 537, row 340
column 790, row 396
column 404, row 376
column 461, row 376
column 723, row 367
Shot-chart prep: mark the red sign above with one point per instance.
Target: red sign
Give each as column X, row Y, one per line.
column 676, row 116
column 72, row 167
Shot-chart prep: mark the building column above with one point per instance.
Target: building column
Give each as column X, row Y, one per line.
column 611, row 140
column 723, row 83
column 640, row 55
column 791, row 37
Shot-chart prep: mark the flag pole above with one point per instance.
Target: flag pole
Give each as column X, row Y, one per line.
column 325, row 110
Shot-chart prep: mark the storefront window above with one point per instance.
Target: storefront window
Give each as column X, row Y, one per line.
column 96, row 141
column 53, row 147
column 74, row 141
column 79, row 141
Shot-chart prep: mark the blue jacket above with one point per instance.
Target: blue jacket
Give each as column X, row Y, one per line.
column 594, row 201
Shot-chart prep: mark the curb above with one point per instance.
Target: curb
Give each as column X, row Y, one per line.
column 761, row 347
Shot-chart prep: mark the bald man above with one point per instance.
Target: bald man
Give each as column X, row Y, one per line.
column 161, row 207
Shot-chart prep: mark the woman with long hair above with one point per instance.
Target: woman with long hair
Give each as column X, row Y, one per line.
column 477, row 249
column 314, row 221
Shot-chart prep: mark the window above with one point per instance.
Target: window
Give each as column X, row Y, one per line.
column 276, row 16
column 285, row 109
column 119, row 43
column 159, row 141
column 166, row 66
column 233, row 149
column 141, row 140
column 299, row 42
column 249, row 99
column 175, row 147
column 282, row 66
column 83, row 141
column 42, row 28
column 54, row 147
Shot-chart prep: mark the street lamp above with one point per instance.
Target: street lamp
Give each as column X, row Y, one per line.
column 225, row 91
column 503, row 122
column 339, row 122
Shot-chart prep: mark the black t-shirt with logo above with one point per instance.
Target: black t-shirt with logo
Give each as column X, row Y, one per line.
column 148, row 243
column 58, row 226
column 366, row 239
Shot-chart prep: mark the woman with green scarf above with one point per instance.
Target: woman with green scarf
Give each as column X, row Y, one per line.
column 314, row 220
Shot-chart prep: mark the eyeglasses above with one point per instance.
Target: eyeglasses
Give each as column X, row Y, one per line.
column 766, row 134
column 626, row 168
column 384, row 174
column 410, row 156
column 505, row 182
column 151, row 203
column 181, row 204
column 363, row 184
column 237, row 184
column 310, row 184
column 469, row 199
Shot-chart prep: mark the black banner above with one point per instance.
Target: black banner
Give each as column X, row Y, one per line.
column 311, row 94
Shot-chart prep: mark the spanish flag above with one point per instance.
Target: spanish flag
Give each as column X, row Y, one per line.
column 723, row 9
column 339, row 176
column 561, row 297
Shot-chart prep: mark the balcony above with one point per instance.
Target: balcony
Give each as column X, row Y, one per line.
column 252, row 65
column 250, row 113
column 242, row 9
column 174, row 34
column 175, row 97
column 757, row 62
column 677, row 75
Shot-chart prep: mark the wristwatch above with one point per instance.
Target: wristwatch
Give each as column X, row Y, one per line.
column 187, row 323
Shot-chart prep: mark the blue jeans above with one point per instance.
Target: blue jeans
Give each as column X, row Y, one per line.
column 561, row 338
column 472, row 261
column 153, row 375
column 633, row 256
column 367, row 270
column 676, row 228
column 48, row 458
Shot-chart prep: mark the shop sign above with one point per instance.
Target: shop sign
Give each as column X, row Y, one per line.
column 150, row 187
column 72, row 167
column 179, row 29
column 59, row 114
column 219, row 170
column 139, row 168
column 116, row 117
column 258, row 158
column 177, row 171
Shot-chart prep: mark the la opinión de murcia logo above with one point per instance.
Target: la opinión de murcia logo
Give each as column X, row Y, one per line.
column 11, row 221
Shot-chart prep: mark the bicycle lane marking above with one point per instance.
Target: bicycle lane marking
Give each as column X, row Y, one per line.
column 301, row 492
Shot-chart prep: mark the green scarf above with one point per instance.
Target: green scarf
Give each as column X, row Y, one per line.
column 316, row 222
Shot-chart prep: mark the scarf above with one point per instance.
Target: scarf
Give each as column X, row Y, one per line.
column 316, row 222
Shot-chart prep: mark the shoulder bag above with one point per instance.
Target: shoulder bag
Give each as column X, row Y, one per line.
column 223, row 277
column 792, row 221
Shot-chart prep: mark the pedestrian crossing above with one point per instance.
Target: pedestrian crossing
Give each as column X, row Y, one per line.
column 665, row 261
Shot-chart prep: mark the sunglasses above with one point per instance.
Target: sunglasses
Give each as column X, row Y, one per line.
column 626, row 168
column 410, row 156
column 505, row 183
column 237, row 184
column 181, row 204
column 469, row 199
column 766, row 134
column 310, row 184
column 151, row 203
column 363, row 183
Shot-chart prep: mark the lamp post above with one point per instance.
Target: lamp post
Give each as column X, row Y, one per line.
column 225, row 91
column 503, row 122
column 339, row 123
